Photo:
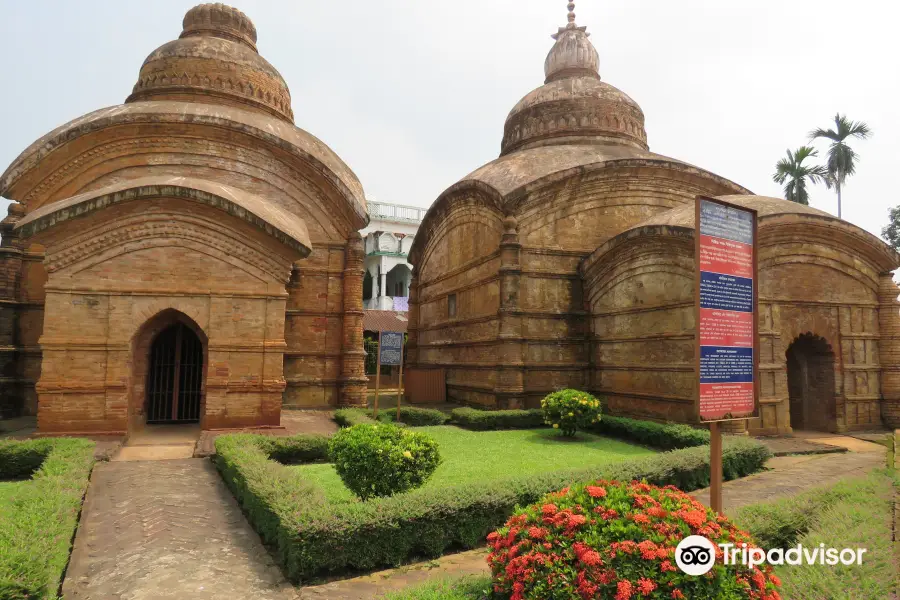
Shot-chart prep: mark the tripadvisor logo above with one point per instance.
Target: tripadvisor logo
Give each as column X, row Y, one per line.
column 696, row 555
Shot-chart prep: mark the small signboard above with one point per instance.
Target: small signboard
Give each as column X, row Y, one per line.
column 391, row 348
column 727, row 350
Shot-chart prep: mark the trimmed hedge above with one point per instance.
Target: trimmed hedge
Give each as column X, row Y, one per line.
column 296, row 449
column 665, row 436
column 38, row 517
column 484, row 420
column 412, row 416
column 312, row 537
column 348, row 417
column 19, row 460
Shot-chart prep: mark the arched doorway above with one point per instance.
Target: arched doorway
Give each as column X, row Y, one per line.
column 175, row 376
column 810, row 368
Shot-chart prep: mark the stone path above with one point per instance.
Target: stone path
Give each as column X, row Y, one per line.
column 790, row 475
column 167, row 529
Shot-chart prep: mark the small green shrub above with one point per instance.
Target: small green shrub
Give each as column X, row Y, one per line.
column 382, row 460
column 665, row 436
column 610, row 539
column 570, row 410
column 485, row 420
column 348, row 417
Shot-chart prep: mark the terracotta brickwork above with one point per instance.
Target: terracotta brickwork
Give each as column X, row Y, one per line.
column 570, row 261
column 196, row 202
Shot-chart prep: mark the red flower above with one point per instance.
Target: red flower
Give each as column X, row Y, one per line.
column 591, row 558
column 640, row 518
column 624, row 590
column 537, row 533
column 667, row 566
column 595, row 491
column 677, row 595
column 549, row 509
column 645, row 586
column 648, row 550
column 658, row 512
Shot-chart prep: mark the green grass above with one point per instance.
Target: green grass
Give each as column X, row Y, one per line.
column 38, row 516
column 464, row 588
column 470, row 456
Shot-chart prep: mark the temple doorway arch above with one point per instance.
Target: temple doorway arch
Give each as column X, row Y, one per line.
column 810, row 370
column 170, row 366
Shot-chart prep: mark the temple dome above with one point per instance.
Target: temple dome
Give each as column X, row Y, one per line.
column 573, row 106
column 214, row 61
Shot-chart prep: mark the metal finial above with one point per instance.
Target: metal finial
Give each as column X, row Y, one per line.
column 571, row 23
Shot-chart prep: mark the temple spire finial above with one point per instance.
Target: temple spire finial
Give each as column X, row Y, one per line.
column 571, row 24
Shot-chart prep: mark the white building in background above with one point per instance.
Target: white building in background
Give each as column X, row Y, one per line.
column 388, row 238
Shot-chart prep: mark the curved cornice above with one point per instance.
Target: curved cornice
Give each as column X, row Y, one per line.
column 266, row 128
column 287, row 228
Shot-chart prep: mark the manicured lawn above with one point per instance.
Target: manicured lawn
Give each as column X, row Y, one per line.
column 474, row 456
column 855, row 513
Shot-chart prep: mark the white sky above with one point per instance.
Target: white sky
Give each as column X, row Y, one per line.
column 413, row 95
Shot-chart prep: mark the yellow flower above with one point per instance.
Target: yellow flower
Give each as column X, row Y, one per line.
column 556, row 426
column 407, row 454
column 571, row 414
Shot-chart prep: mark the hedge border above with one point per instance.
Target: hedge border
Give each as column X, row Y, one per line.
column 53, row 499
column 664, row 436
column 311, row 537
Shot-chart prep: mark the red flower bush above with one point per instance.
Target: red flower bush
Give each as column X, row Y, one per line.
column 617, row 540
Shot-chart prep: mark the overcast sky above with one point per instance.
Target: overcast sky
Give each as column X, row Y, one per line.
column 413, row 95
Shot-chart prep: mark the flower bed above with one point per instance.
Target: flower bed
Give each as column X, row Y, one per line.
column 312, row 536
column 38, row 516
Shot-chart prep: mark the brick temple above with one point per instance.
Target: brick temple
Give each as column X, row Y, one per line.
column 189, row 255
column 192, row 255
column 569, row 262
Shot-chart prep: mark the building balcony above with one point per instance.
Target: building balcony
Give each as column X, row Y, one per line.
column 398, row 213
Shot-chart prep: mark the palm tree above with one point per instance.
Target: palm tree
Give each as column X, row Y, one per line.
column 792, row 170
column 841, row 157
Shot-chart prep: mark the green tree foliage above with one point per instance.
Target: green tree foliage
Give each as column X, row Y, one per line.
column 793, row 174
column 842, row 158
column 891, row 232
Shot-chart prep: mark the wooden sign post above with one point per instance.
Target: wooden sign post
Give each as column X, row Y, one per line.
column 390, row 352
column 727, row 336
column 400, row 383
column 377, row 378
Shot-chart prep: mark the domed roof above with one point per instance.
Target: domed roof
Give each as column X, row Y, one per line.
column 214, row 61
column 573, row 105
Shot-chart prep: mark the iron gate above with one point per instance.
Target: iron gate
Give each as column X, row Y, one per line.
column 175, row 378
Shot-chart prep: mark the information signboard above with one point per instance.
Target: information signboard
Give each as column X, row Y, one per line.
column 726, row 301
column 391, row 347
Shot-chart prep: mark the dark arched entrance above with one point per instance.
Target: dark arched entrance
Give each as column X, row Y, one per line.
column 175, row 376
column 810, row 367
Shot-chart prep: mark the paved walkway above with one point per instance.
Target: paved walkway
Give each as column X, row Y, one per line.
column 167, row 529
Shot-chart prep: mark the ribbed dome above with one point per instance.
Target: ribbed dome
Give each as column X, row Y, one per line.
column 573, row 106
column 214, row 61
